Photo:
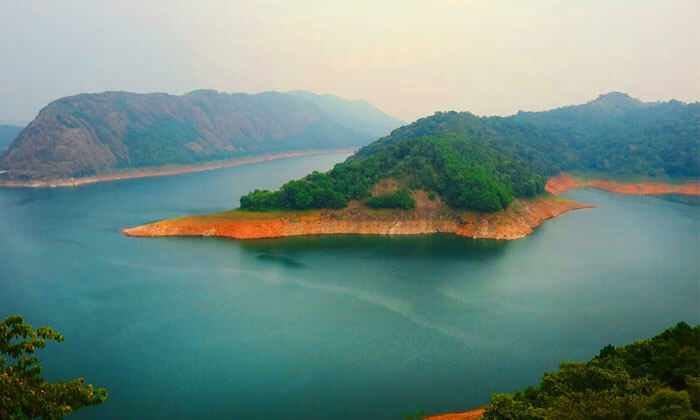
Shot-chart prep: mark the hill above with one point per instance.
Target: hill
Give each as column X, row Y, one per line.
column 483, row 163
column 480, row 177
column 7, row 134
column 91, row 134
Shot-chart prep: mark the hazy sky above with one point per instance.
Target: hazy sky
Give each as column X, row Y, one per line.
column 409, row 58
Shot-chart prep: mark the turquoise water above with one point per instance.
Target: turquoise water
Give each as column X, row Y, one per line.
column 329, row 327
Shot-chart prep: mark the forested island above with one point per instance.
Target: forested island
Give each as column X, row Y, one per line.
column 482, row 177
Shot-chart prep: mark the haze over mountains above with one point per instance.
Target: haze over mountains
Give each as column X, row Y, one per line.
column 7, row 134
column 91, row 134
column 614, row 133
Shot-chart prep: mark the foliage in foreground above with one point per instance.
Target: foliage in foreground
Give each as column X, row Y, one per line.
column 658, row 378
column 24, row 393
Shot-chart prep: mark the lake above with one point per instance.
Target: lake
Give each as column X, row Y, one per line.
column 326, row 327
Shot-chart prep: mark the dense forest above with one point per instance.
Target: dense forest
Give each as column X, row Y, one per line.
column 614, row 133
column 465, row 174
column 658, row 378
column 483, row 163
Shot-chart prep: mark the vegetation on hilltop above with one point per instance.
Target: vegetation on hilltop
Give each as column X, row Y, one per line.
column 483, row 163
column 465, row 174
column 658, row 378
column 614, row 134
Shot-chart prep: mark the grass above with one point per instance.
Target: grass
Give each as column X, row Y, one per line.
column 239, row 214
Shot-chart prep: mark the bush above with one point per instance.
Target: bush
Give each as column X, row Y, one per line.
column 400, row 199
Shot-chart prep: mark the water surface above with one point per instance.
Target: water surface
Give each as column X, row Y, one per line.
column 330, row 326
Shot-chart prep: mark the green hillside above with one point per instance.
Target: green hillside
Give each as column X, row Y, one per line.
column 92, row 134
column 483, row 163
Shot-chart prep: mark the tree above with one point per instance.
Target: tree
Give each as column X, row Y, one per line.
column 24, row 393
column 658, row 378
column 668, row 404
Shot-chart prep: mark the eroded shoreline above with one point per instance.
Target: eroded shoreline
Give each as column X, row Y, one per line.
column 565, row 182
column 165, row 171
column 518, row 221
column 429, row 216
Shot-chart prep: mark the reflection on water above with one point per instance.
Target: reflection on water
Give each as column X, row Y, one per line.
column 445, row 246
column 280, row 259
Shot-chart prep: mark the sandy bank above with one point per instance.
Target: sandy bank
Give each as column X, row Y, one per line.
column 565, row 182
column 465, row 415
column 164, row 171
column 516, row 222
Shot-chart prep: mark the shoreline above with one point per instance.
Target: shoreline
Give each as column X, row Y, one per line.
column 565, row 182
column 168, row 171
column 462, row 415
column 516, row 222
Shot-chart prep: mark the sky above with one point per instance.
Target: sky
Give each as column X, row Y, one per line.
column 409, row 58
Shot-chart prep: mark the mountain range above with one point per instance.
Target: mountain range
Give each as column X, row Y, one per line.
column 93, row 134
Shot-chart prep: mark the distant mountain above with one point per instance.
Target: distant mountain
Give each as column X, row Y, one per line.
column 614, row 133
column 7, row 134
column 618, row 134
column 91, row 134
column 360, row 114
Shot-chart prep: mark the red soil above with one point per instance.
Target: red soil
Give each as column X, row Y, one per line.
column 429, row 216
column 565, row 182
column 465, row 415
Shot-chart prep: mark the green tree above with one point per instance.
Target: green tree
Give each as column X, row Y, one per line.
column 668, row 404
column 504, row 407
column 656, row 378
column 24, row 393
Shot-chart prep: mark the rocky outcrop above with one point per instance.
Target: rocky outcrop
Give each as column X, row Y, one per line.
column 429, row 216
column 565, row 182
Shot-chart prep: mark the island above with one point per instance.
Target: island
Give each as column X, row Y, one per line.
column 478, row 177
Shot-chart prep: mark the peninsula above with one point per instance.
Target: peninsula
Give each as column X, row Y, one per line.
column 428, row 216
column 516, row 222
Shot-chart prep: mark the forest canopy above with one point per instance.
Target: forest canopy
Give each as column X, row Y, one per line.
column 466, row 175
column 483, row 163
